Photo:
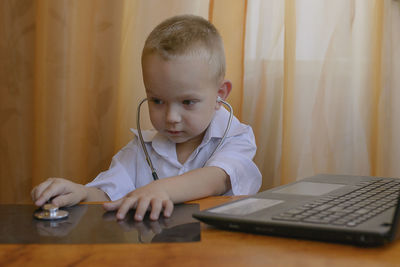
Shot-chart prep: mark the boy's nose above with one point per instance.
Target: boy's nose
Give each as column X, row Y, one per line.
column 173, row 115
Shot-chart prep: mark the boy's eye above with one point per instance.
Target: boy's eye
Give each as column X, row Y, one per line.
column 157, row 101
column 188, row 102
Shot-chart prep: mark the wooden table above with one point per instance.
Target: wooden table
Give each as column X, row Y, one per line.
column 216, row 248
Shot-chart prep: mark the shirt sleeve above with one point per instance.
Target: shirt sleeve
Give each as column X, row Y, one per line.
column 116, row 182
column 235, row 157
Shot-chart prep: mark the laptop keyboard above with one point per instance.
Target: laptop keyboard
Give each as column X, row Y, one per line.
column 369, row 199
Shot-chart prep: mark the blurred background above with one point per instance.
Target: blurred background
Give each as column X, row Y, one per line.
column 318, row 80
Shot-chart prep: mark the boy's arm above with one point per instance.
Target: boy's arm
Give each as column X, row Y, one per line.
column 63, row 192
column 195, row 184
column 161, row 194
column 95, row 194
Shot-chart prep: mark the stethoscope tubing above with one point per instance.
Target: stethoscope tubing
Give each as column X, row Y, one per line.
column 153, row 170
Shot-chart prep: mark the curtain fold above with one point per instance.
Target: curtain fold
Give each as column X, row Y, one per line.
column 320, row 74
column 317, row 80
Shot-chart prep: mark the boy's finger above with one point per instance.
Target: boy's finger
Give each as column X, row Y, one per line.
column 63, row 200
column 127, row 204
column 52, row 190
column 156, row 206
column 113, row 205
column 168, row 208
column 142, row 205
column 38, row 190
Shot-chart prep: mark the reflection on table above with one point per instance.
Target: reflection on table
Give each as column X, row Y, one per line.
column 91, row 224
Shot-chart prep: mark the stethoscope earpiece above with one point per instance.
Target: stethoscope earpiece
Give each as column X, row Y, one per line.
column 219, row 99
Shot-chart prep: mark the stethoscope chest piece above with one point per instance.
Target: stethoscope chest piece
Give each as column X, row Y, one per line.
column 50, row 212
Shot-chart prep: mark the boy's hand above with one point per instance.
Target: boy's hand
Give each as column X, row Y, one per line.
column 151, row 195
column 62, row 192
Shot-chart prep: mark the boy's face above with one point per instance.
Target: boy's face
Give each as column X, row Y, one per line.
column 182, row 96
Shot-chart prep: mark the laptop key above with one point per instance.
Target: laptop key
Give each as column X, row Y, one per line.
column 352, row 223
column 295, row 211
column 362, row 211
column 323, row 207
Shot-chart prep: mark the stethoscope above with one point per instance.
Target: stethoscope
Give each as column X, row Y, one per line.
column 153, row 170
column 50, row 212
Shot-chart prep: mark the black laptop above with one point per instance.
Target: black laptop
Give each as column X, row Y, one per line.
column 360, row 210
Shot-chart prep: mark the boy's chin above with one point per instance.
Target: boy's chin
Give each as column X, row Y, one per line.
column 178, row 139
column 184, row 137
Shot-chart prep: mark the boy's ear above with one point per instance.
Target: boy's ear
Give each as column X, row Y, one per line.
column 223, row 91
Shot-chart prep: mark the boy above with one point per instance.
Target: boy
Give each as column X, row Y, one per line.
column 183, row 65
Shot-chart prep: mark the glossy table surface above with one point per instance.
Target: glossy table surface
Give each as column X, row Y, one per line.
column 216, row 248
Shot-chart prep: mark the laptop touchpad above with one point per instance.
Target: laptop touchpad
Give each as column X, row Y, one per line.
column 308, row 188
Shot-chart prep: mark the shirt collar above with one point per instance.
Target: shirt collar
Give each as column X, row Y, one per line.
column 161, row 144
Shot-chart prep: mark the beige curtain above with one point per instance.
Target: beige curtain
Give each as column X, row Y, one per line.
column 70, row 81
column 315, row 79
column 322, row 87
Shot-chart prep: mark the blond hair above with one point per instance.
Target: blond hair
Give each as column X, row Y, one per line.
column 187, row 35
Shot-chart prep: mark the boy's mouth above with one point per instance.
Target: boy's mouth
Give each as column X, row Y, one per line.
column 174, row 132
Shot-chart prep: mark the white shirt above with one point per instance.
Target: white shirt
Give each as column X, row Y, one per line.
column 129, row 169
